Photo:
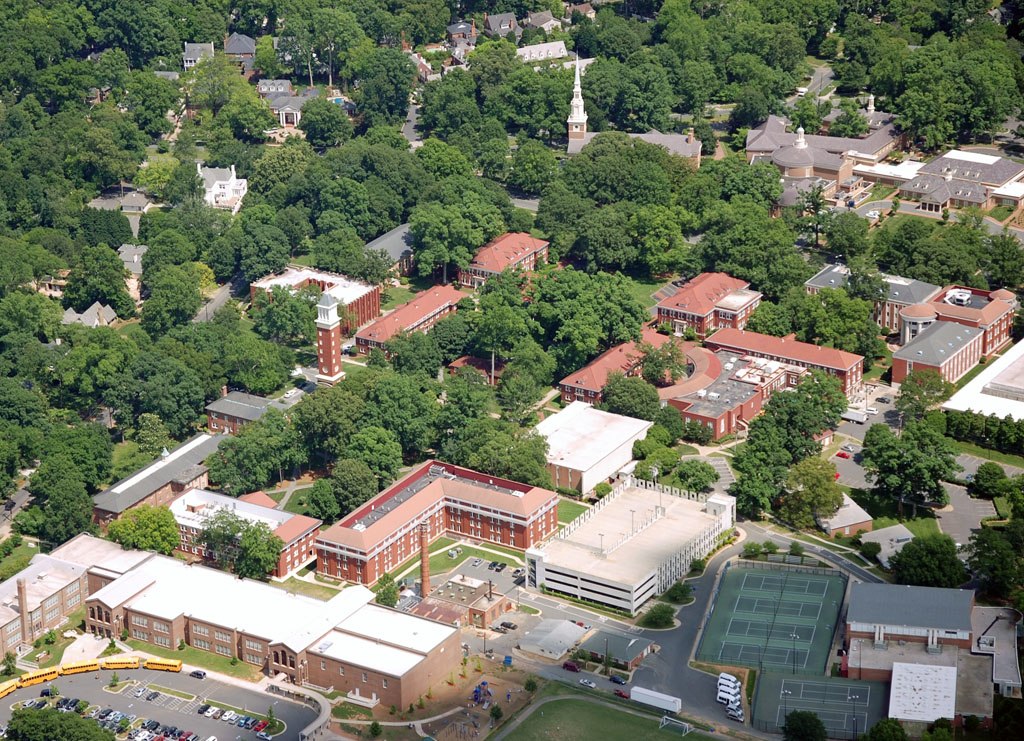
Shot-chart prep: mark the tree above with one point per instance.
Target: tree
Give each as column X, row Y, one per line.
column 929, row 561
column 414, row 352
column 696, row 476
column 995, row 562
column 261, row 452
column 496, row 713
column 847, row 235
column 812, row 493
column 325, row 123
column 851, row 122
column 379, row 449
column 816, row 215
column 990, row 481
column 146, row 528
column 887, row 729
column 387, row 591
column 47, row 724
column 631, row 396
column 266, row 60
column 803, row 725
column 807, row 114
column 173, row 300
column 533, row 167
column 909, row 468
column 375, row 729
column 98, row 276
column 354, row 483
column 386, row 76
column 285, row 317
column 321, row 502
column 67, row 508
column 920, row 391
column 662, row 366
column 259, row 551
column 10, row 665
column 661, row 615
column 151, row 435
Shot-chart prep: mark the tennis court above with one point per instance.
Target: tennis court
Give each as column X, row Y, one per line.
column 773, row 619
column 846, row 707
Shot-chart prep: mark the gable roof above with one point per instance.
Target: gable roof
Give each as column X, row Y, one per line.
column 239, row 43
column 198, row 51
column 97, row 315
column 505, row 251
column 706, row 292
column 786, row 348
column 621, row 358
column 911, row 607
column 397, row 242
column 938, row 343
column 407, row 316
column 240, row 405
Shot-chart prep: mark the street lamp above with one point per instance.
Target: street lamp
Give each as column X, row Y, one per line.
column 632, row 521
column 853, row 699
column 784, row 696
column 794, row 637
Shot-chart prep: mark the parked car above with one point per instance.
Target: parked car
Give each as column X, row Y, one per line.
column 499, row 629
column 873, row 214
column 209, row 713
column 152, row 696
column 872, row 410
column 202, row 709
column 588, row 683
column 197, row 674
column 842, row 454
column 492, row 565
column 848, row 448
column 476, row 562
column 229, row 716
column 217, row 713
column 139, row 691
column 571, row 666
column 500, row 567
column 616, row 679
column 884, row 400
column 260, row 726
column 509, row 625
column 622, row 693
column 264, row 736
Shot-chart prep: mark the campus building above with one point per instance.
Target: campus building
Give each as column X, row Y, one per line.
column 587, row 384
column 947, row 348
column 511, row 251
column 898, row 293
column 159, row 483
column 997, row 390
column 444, row 500
column 709, row 302
column 37, row 599
column 297, row 532
column 845, row 366
column 233, row 410
column 632, row 545
column 344, row 305
column 587, row 446
column 990, row 311
column 418, row 315
column 369, row 653
column 959, row 179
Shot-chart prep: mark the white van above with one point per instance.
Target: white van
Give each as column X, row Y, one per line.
column 728, row 695
column 727, row 680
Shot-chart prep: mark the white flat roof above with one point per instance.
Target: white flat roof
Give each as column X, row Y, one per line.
column 88, row 551
column 367, row 653
column 976, row 157
column 398, row 628
column 638, row 556
column 195, row 505
column 581, row 436
column 1006, row 369
column 905, row 170
column 343, row 288
column 1011, row 190
column 922, row 693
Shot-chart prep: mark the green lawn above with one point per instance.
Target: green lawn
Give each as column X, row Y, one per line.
column 885, row 513
column 316, row 591
column 578, row 720
column 881, row 192
column 1003, row 509
column 1000, row 213
column 569, row 510
column 18, row 560
column 297, row 503
column 441, row 562
column 1008, row 459
column 397, row 295
column 57, row 649
column 439, row 543
column 205, row 659
column 642, row 290
column 969, row 376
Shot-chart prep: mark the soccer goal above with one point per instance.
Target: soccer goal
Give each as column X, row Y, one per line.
column 674, row 724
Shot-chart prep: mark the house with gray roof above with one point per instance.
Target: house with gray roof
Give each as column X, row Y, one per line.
column 288, row 108
column 239, row 47
column 97, row 315
column 160, row 482
column 222, row 188
column 501, row 25
column 228, row 413
column 895, row 612
column 890, row 539
column 397, row 243
column 131, row 258
column 195, row 52
column 270, row 89
column 624, row 652
column 544, row 20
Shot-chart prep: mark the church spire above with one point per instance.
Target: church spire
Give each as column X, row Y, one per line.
column 577, row 120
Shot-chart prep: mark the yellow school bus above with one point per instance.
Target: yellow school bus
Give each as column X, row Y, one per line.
column 38, row 676
column 79, row 667
column 124, row 662
column 8, row 687
column 163, row 665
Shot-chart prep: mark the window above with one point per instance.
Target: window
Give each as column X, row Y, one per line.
column 364, row 676
column 253, row 645
column 140, row 634
column 74, row 600
column 200, row 630
column 223, row 650
column 341, row 671
column 254, row 659
column 384, row 683
column 200, row 643
column 323, row 665
column 220, row 635
column 51, row 615
column 161, row 627
column 162, row 641
column 140, row 621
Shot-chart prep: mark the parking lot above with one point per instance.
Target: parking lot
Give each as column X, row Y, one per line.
column 168, row 709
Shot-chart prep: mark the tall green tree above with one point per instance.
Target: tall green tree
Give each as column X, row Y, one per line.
column 920, row 391
column 929, row 561
column 812, row 493
column 631, row 396
column 98, row 276
column 146, row 528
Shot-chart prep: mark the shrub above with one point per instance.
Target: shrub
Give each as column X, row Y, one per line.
column 114, row 679
column 659, row 616
column 375, row 729
column 972, row 723
column 181, row 645
column 602, row 490
column 751, row 549
column 870, row 549
column 497, row 713
column 769, row 547
column 697, row 565
column 795, row 549
column 679, row 592
column 530, row 685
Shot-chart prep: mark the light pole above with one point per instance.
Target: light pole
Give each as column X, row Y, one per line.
column 794, row 637
column 601, row 536
column 632, row 521
column 853, row 699
column 785, row 705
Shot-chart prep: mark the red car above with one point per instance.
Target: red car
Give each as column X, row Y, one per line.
column 622, row 693
column 260, row 726
column 842, row 454
column 837, row 475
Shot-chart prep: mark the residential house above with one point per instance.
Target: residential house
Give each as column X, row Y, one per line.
column 194, row 53
column 97, row 315
column 222, row 188
column 547, row 51
column 288, row 108
column 502, row 25
column 709, row 302
column 587, row 384
column 510, row 251
column 544, row 20
column 847, row 521
column 241, row 50
column 623, row 651
column 270, row 89
column 397, row 243
column 131, row 258
column 425, row 310
column 584, row 9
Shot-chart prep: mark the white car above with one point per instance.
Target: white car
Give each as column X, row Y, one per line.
column 873, row 214
column 209, row 713
column 588, row 683
column 872, row 410
column 229, row 716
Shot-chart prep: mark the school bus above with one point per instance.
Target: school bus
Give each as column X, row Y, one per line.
column 38, row 676
column 128, row 662
column 79, row 667
column 8, row 687
column 163, row 665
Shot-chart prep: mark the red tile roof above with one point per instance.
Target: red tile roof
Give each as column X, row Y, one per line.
column 506, row 251
column 622, row 358
column 700, row 295
column 258, row 497
column 408, row 315
column 291, row 529
column 782, row 348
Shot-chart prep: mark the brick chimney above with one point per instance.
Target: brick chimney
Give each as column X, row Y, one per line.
column 690, row 135
column 424, row 558
column 26, row 621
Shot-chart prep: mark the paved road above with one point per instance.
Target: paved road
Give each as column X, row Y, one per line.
column 971, row 463
column 909, row 207
column 409, row 128
column 210, row 307
column 964, row 514
column 173, row 710
column 530, row 204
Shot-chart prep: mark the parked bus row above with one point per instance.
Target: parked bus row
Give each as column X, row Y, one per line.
column 80, row 667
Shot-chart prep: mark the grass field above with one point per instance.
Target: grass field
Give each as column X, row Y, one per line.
column 578, row 720
column 204, row 659
column 569, row 510
column 18, row 560
column 397, row 295
column 643, row 290
column 316, row 591
column 57, row 649
column 885, row 513
column 1008, row 459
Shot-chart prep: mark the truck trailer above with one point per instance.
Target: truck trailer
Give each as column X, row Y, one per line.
column 656, row 699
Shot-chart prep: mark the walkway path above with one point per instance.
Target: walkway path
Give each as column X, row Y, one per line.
column 293, row 486
column 417, row 724
column 910, row 209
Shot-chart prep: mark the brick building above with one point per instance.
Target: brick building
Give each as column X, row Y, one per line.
column 991, row 311
column 297, row 532
column 368, row 653
column 709, row 302
column 418, row 315
column 384, row 532
column 160, row 482
column 587, row 384
column 228, row 413
column 898, row 293
column 845, row 366
column 38, row 598
column 948, row 348
column 511, row 251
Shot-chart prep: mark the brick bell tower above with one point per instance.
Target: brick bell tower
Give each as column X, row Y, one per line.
column 328, row 341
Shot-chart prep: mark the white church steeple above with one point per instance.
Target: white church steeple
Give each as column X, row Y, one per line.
column 577, row 120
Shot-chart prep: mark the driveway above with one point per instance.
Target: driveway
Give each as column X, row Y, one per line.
column 963, row 515
column 851, row 472
column 971, row 463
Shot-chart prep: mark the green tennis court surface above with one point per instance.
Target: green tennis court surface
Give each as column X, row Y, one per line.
column 772, row 619
column 847, row 707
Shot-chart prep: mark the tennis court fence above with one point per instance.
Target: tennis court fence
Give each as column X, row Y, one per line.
column 833, row 733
